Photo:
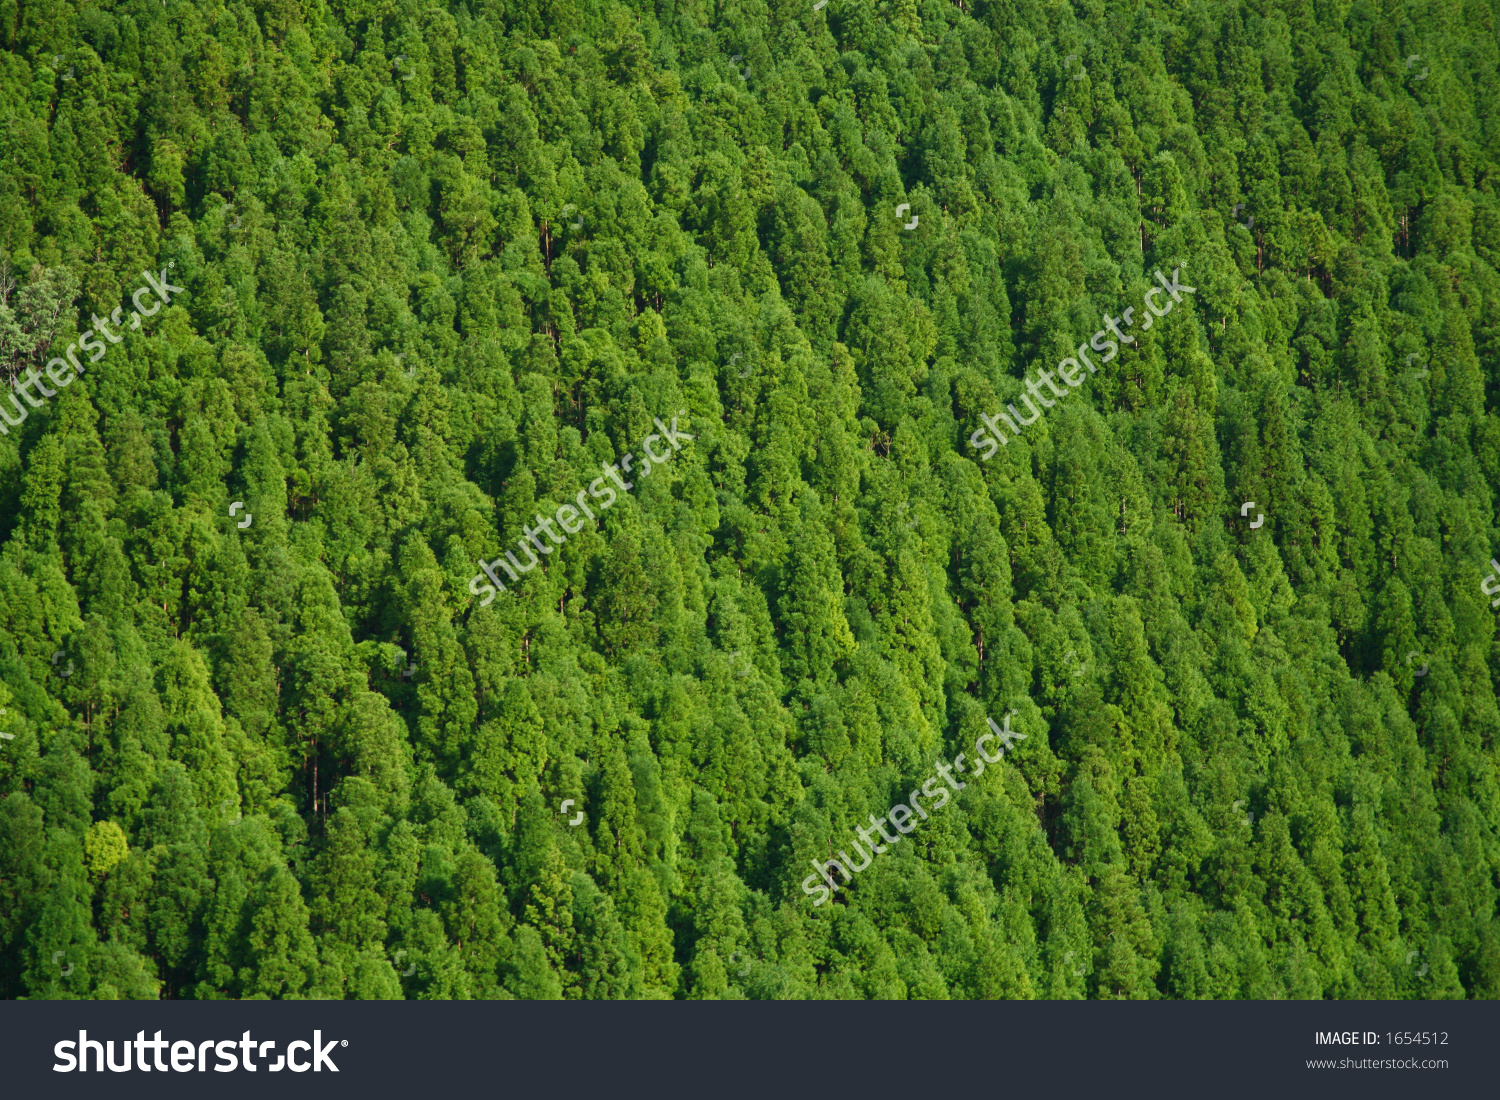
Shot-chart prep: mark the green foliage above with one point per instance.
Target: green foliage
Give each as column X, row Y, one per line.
column 442, row 262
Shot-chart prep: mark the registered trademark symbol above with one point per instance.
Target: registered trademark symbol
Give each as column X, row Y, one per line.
column 344, row 1042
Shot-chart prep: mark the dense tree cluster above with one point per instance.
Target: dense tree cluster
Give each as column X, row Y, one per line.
column 443, row 261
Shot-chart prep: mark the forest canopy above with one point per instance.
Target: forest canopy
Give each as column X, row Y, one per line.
column 349, row 297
